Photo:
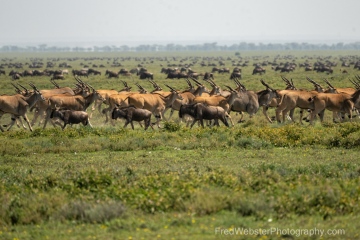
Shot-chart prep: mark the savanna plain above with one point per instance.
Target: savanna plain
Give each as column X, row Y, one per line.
column 254, row 180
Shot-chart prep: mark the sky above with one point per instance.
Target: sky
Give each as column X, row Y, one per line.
column 135, row 22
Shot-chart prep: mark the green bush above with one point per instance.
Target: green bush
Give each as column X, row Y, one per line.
column 86, row 212
column 171, row 126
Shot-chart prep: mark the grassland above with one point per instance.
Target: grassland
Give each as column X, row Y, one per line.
column 180, row 183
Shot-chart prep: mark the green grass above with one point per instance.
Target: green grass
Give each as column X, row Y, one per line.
column 175, row 182
column 179, row 183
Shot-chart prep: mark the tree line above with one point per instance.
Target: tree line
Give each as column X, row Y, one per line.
column 172, row 47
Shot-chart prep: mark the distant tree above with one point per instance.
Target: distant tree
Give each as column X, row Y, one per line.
column 42, row 47
column 170, row 47
column 14, row 48
column 52, row 49
column 242, row 46
column 124, row 48
column 251, row 46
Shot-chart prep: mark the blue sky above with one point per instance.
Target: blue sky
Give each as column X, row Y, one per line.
column 164, row 21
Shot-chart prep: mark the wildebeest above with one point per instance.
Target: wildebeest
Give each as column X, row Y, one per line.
column 57, row 76
column 166, row 70
column 27, row 73
column 71, row 117
column 224, row 70
column 219, row 101
column 80, row 73
column 37, row 72
column 200, row 111
column 172, row 75
column 215, row 69
column 195, row 75
column 146, row 75
column 236, row 69
column 134, row 71
column 235, row 75
column 111, row 74
column 323, row 68
column 259, row 70
column 123, row 71
column 16, row 76
column 208, row 75
column 131, row 114
column 94, row 72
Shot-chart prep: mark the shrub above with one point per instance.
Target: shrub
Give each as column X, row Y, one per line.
column 86, row 212
column 171, row 126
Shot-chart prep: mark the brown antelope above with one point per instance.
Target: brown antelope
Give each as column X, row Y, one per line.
column 25, row 93
column 335, row 102
column 320, row 89
column 332, row 89
column 77, row 102
column 156, row 86
column 17, row 105
column 246, row 101
column 154, row 102
column 291, row 99
column 220, row 101
column 42, row 106
column 250, row 101
column 275, row 101
column 291, row 102
column 266, row 96
column 217, row 89
column 59, row 90
column 188, row 96
column 105, row 94
column 120, row 100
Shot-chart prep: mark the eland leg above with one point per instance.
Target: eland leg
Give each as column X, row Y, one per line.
column 265, row 108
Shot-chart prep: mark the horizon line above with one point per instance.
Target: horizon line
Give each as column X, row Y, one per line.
column 151, row 42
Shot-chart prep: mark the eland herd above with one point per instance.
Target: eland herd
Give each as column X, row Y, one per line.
column 196, row 103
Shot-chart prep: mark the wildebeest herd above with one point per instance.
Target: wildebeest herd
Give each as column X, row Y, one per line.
column 196, row 103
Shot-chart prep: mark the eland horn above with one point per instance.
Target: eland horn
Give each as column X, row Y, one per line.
column 328, row 83
column 33, row 86
column 230, row 88
column 16, row 88
column 196, row 81
column 266, row 85
column 172, row 89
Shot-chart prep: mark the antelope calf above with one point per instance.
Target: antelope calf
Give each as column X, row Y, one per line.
column 71, row 117
column 200, row 111
column 131, row 114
